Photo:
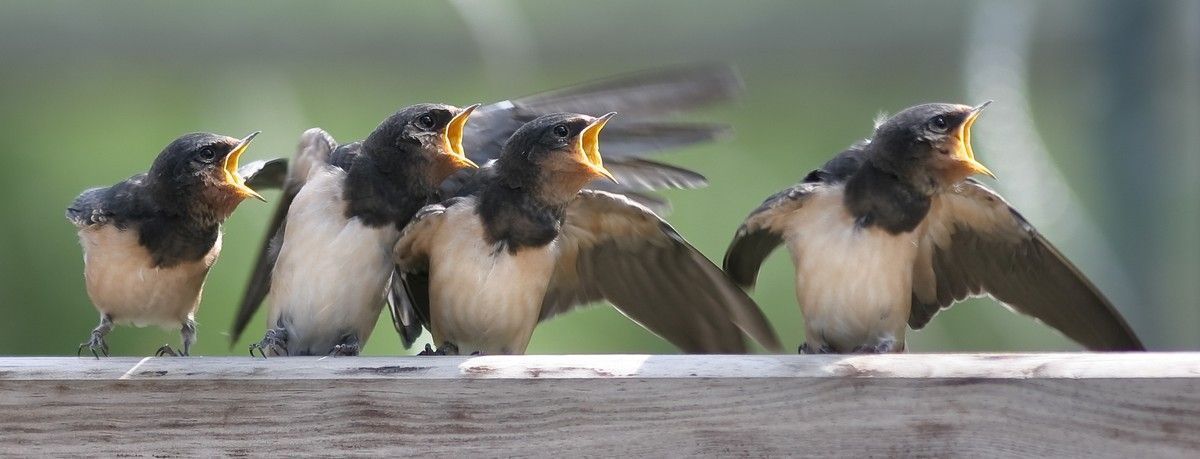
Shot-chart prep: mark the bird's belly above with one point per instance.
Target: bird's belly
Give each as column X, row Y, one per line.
column 487, row 301
column 123, row 282
column 854, row 284
column 329, row 281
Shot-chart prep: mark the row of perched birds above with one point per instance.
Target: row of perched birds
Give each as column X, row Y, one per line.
column 478, row 223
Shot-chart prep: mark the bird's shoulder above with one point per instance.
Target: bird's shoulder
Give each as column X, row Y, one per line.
column 784, row 202
column 605, row 215
column 412, row 250
column 343, row 156
column 118, row 204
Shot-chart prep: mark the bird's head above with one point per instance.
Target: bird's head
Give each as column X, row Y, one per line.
column 935, row 138
column 429, row 134
column 557, row 154
column 199, row 171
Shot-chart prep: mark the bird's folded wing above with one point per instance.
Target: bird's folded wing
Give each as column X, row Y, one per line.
column 89, row 209
column 614, row 249
column 977, row 244
column 118, row 204
column 764, row 230
column 408, row 304
column 316, row 147
column 408, row 296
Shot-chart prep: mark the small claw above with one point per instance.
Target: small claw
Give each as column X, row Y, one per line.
column 823, row 349
column 96, row 343
column 274, row 340
column 166, row 350
column 345, row 350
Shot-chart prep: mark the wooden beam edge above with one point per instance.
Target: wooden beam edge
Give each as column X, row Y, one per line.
column 966, row 366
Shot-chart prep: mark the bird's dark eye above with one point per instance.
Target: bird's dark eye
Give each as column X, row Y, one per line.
column 938, row 124
column 561, row 130
column 425, row 121
column 206, row 154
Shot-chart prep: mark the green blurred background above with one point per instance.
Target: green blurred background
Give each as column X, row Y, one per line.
column 1094, row 132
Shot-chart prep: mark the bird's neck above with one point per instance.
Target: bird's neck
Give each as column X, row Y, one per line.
column 172, row 239
column 514, row 217
column 878, row 196
column 380, row 195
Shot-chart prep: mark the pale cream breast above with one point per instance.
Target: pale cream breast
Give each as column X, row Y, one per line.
column 332, row 271
column 482, row 298
column 854, row 284
column 123, row 282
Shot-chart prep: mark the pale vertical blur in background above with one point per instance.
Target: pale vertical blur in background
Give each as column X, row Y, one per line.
column 1095, row 130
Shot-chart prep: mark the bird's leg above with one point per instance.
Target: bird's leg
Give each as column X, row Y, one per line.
column 275, row 340
column 822, row 349
column 96, row 342
column 188, row 335
column 447, row 348
column 349, row 347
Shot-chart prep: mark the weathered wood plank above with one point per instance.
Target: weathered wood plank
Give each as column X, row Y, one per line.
column 1119, row 405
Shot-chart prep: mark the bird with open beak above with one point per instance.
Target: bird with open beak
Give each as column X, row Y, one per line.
column 333, row 259
column 892, row 230
column 531, row 244
column 149, row 241
column 651, row 98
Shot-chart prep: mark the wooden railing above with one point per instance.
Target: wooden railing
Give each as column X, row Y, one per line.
column 1136, row 405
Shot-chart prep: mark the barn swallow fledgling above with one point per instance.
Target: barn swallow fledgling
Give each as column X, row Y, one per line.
column 149, row 241
column 530, row 244
column 648, row 96
column 332, row 264
column 892, row 230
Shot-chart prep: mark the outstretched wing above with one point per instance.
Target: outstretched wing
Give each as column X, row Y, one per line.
column 764, row 230
column 977, row 244
column 316, row 147
column 643, row 101
column 614, row 249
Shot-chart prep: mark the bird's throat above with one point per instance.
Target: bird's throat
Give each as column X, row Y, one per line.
column 879, row 198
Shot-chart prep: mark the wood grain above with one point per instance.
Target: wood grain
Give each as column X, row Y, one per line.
column 1007, row 405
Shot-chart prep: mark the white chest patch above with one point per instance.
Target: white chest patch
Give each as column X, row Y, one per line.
column 482, row 299
column 854, row 284
column 123, row 282
column 332, row 272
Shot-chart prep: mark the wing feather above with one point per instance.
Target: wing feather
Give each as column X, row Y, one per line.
column 614, row 249
column 981, row 245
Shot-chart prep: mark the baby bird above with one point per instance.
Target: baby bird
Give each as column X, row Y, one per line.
column 149, row 241
column 529, row 244
column 891, row 231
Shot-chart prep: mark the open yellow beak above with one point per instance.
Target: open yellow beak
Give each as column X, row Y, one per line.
column 589, row 146
column 230, row 166
column 963, row 134
column 453, row 135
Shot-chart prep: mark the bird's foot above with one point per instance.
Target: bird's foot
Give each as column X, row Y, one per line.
column 95, row 344
column 275, row 340
column 822, row 349
column 884, row 346
column 447, row 348
column 347, row 347
column 166, row 350
column 345, row 350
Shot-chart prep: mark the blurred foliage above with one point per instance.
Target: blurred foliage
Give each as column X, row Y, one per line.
column 91, row 91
